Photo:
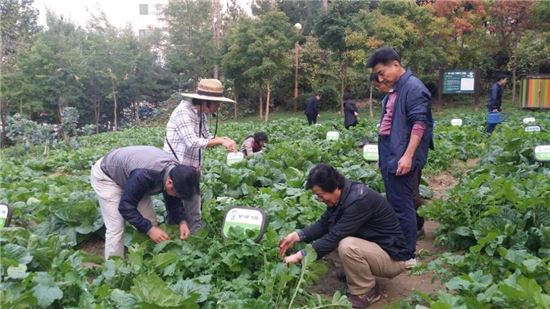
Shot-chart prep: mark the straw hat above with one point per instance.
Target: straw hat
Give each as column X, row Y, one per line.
column 209, row 90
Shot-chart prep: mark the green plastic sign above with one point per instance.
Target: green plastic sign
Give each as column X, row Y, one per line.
column 245, row 218
column 458, row 82
column 5, row 215
column 542, row 153
column 370, row 152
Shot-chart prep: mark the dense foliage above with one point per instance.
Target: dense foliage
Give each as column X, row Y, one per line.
column 498, row 213
column 105, row 72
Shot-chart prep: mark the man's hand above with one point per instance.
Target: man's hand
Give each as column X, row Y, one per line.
column 184, row 230
column 157, row 234
column 287, row 242
column 404, row 165
column 229, row 144
column 295, row 258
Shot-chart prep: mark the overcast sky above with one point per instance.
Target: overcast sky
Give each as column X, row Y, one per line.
column 118, row 12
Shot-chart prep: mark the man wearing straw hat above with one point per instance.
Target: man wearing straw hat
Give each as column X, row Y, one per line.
column 187, row 135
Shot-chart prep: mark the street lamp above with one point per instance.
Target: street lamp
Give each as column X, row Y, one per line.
column 298, row 27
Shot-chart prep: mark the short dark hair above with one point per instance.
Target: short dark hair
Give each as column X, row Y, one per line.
column 382, row 55
column 325, row 177
column 501, row 76
column 260, row 136
column 348, row 96
column 186, row 181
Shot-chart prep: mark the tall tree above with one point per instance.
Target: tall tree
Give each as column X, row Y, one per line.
column 191, row 53
column 258, row 51
column 18, row 25
column 331, row 30
column 509, row 20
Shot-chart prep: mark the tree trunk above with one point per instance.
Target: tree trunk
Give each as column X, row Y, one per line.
column 325, row 6
column 296, row 64
column 514, row 82
column 3, row 120
column 96, row 107
column 440, row 91
column 371, row 113
column 268, row 99
column 216, row 27
column 261, row 106
column 343, row 72
column 477, row 89
column 115, row 109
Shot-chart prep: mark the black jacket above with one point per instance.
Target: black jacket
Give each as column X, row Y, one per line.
column 495, row 98
column 349, row 113
column 144, row 182
column 311, row 106
column 360, row 212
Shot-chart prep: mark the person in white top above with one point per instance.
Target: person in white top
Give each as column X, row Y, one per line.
column 187, row 135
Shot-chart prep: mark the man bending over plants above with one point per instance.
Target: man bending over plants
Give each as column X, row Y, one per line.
column 124, row 180
column 359, row 230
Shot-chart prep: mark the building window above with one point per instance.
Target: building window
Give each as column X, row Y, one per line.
column 143, row 9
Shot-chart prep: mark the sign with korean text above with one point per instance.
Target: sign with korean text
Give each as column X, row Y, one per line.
column 458, row 82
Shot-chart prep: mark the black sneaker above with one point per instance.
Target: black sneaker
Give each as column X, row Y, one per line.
column 365, row 300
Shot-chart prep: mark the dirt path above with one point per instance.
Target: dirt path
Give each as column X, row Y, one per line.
column 400, row 287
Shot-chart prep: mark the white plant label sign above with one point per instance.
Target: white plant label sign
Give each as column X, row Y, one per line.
column 370, row 152
column 542, row 153
column 234, row 157
column 457, row 122
column 333, row 135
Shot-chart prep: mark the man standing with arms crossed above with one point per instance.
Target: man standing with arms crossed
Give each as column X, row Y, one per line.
column 405, row 134
column 187, row 135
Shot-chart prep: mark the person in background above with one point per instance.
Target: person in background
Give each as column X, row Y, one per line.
column 417, row 178
column 359, row 230
column 254, row 143
column 187, row 135
column 350, row 111
column 495, row 99
column 404, row 137
column 124, row 180
column 312, row 109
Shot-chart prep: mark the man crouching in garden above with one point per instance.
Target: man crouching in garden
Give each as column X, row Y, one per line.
column 124, row 180
column 359, row 227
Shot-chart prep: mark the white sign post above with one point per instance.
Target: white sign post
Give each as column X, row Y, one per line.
column 457, row 122
column 333, row 135
column 234, row 157
column 532, row 129
column 370, row 152
column 528, row 120
column 542, row 153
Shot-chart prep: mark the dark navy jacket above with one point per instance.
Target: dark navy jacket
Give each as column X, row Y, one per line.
column 363, row 213
column 311, row 106
column 495, row 98
column 141, row 171
column 413, row 104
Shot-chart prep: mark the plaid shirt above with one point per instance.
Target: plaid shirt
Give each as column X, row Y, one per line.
column 182, row 131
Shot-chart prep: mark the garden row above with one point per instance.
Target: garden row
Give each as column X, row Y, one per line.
column 499, row 214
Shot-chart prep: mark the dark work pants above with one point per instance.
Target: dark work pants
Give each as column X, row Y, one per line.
column 311, row 119
column 417, row 199
column 399, row 192
column 491, row 127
